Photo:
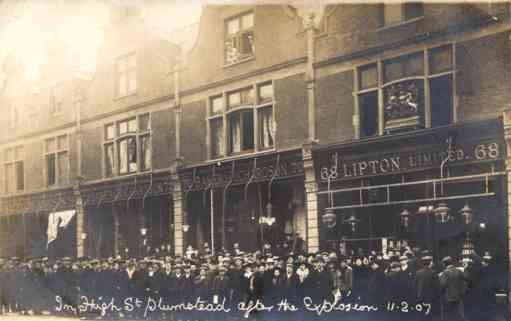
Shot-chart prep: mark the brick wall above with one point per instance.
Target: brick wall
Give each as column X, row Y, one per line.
column 484, row 77
column 291, row 112
column 277, row 40
column 335, row 107
column 193, row 132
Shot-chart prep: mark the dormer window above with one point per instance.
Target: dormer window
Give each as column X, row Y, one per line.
column 239, row 38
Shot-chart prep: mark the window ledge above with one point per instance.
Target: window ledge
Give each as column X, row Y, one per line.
column 125, row 96
column 242, row 155
column 400, row 24
column 239, row 62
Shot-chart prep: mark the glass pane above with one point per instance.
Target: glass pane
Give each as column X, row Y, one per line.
column 9, row 178
column 216, row 105
column 123, row 156
column 233, row 26
column 132, row 125
column 248, row 130
column 109, row 160
column 247, row 21
column 62, row 142
column 9, row 155
column 143, row 121
column 265, row 93
column 266, row 129
column 123, row 127
column 234, row 133
column 132, row 154
column 145, row 149
column 50, row 169
column 50, row 145
column 234, row 99
column 247, row 96
column 110, row 131
column 393, row 13
column 20, row 176
column 440, row 60
column 413, row 10
column 441, row 100
column 18, row 152
column 63, row 167
column 217, row 137
column 368, row 104
column 247, row 44
column 132, row 81
column 408, row 66
column 122, row 85
column 368, row 77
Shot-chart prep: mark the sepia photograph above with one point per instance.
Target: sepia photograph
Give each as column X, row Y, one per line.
column 259, row 160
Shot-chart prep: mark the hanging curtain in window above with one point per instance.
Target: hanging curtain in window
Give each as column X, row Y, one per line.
column 132, row 154
column 123, row 156
column 235, row 133
column 266, row 127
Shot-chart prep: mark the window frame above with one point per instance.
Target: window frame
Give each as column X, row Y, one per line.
column 126, row 72
column 381, row 84
column 238, row 36
column 404, row 18
column 13, row 161
column 226, row 112
column 56, row 91
column 56, row 152
column 138, row 135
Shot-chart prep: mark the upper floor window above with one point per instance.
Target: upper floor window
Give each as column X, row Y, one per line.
column 56, row 99
column 239, row 38
column 406, row 92
column 241, row 121
column 127, row 146
column 126, row 75
column 56, row 154
column 14, row 170
column 395, row 13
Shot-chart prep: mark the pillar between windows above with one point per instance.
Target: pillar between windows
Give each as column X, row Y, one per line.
column 80, row 212
column 507, row 135
column 176, row 209
column 311, row 198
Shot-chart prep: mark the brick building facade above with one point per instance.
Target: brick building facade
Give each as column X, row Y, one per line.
column 163, row 148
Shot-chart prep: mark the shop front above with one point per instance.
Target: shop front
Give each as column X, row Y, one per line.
column 251, row 201
column 32, row 225
column 441, row 190
column 131, row 217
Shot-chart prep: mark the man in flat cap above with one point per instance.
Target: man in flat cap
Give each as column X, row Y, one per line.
column 428, row 285
column 453, row 285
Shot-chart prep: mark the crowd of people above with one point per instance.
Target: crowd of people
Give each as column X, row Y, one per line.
column 454, row 289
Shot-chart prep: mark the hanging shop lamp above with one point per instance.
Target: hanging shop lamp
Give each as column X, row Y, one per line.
column 442, row 214
column 467, row 214
column 352, row 221
column 405, row 216
column 329, row 219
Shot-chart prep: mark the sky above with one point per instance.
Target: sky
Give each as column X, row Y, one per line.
column 27, row 25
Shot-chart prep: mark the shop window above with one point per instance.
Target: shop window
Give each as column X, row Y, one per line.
column 239, row 38
column 57, row 160
column 406, row 102
column 127, row 146
column 395, row 13
column 14, row 170
column 126, row 75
